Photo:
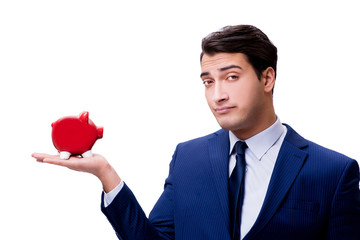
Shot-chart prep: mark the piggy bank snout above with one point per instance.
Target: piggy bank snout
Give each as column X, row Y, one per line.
column 100, row 132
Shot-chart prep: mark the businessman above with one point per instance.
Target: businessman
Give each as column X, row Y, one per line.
column 256, row 178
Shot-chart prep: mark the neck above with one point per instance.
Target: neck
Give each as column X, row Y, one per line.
column 258, row 125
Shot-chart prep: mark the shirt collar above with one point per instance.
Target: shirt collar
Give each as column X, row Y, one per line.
column 260, row 143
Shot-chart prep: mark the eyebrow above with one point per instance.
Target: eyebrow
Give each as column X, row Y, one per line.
column 221, row 69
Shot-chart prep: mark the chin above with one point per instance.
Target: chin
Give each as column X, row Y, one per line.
column 233, row 123
column 228, row 125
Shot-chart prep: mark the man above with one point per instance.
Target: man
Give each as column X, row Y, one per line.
column 253, row 179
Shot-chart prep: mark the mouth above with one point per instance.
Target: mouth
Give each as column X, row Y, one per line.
column 223, row 110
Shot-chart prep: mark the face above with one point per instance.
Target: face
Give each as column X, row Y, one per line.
column 235, row 95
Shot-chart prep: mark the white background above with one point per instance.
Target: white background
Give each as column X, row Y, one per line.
column 134, row 65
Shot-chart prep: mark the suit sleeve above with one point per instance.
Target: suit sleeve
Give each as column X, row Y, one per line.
column 129, row 220
column 344, row 222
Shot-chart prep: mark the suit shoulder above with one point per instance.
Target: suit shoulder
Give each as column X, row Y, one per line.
column 197, row 148
column 201, row 141
column 315, row 150
column 326, row 153
column 326, row 158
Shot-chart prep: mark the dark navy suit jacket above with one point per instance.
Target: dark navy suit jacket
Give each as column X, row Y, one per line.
column 313, row 194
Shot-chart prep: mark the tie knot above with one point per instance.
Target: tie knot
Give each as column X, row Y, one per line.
column 240, row 147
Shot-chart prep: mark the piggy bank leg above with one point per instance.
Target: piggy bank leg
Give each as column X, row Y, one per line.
column 87, row 154
column 64, row 155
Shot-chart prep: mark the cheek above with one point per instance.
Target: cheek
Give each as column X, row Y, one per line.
column 208, row 96
column 245, row 95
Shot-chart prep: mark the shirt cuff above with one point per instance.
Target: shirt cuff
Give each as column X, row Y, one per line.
column 110, row 196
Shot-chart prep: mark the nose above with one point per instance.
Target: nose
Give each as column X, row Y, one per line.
column 219, row 94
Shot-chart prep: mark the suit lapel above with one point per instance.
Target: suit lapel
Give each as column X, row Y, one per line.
column 219, row 158
column 288, row 165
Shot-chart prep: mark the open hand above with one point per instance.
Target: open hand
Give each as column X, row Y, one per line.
column 96, row 165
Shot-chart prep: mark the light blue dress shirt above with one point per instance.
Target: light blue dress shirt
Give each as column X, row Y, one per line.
column 260, row 157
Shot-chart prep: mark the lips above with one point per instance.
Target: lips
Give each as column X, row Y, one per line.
column 223, row 110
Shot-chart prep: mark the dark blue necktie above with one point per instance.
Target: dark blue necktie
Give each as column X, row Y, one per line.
column 236, row 189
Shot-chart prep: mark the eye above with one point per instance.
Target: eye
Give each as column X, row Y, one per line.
column 208, row 82
column 232, row 77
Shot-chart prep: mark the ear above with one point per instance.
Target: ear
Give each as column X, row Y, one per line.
column 268, row 76
column 84, row 117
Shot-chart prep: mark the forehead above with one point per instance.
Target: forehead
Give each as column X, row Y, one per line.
column 220, row 60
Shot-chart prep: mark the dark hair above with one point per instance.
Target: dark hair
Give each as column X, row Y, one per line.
column 246, row 39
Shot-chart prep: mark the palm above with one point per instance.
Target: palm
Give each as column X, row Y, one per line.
column 93, row 165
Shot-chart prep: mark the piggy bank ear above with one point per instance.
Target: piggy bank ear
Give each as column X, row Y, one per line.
column 84, row 117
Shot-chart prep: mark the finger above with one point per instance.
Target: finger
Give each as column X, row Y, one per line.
column 56, row 161
column 41, row 156
column 72, row 162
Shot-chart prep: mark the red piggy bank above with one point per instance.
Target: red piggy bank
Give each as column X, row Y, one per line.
column 75, row 135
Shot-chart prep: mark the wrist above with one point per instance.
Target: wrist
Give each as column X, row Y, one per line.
column 108, row 177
